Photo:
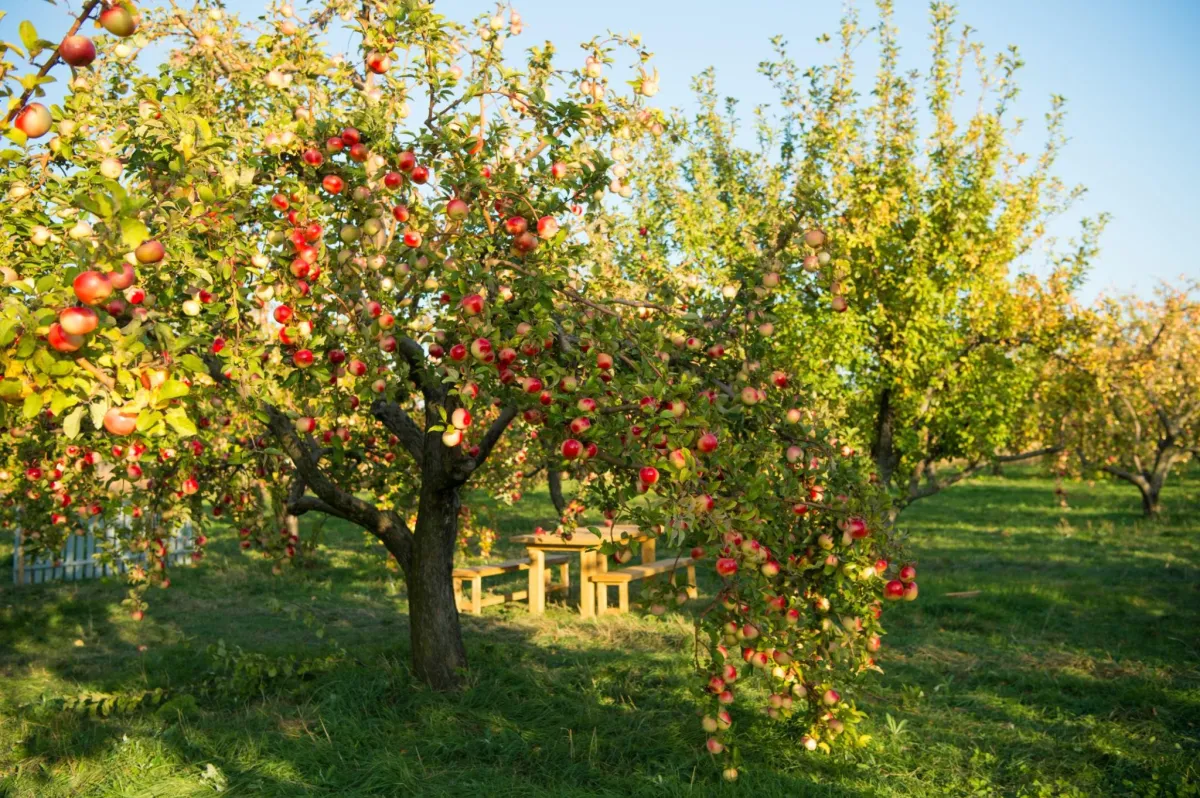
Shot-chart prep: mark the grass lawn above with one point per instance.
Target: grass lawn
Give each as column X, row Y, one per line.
column 1075, row 671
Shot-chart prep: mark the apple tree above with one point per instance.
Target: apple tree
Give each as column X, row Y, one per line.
column 261, row 274
column 1128, row 403
column 935, row 330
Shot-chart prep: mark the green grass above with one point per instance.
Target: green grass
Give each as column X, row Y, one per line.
column 1074, row 672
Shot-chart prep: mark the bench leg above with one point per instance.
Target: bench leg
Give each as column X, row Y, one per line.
column 691, row 588
column 623, row 597
column 460, row 601
column 564, row 571
column 477, row 595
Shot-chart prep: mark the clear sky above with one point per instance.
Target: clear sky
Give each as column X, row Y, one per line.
column 1130, row 70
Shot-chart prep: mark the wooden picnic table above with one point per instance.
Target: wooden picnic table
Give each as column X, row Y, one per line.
column 585, row 542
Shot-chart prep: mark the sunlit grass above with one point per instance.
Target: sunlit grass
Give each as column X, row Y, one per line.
column 1073, row 672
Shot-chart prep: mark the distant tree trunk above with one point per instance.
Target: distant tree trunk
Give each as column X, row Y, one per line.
column 438, row 653
column 554, row 478
column 1150, row 503
column 883, row 447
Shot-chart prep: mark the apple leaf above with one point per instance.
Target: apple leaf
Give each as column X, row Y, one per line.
column 193, row 364
column 29, row 35
column 71, row 422
column 33, row 405
column 172, row 389
column 179, row 421
column 98, row 410
column 133, row 231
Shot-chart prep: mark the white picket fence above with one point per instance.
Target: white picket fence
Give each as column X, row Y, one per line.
column 77, row 559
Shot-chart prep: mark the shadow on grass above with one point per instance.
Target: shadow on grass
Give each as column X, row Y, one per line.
column 1073, row 672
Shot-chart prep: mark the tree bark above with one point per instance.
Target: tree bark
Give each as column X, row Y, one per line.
column 438, row 654
column 554, row 480
column 883, row 447
column 1150, row 505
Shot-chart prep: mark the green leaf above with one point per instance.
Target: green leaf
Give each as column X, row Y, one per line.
column 98, row 410
column 72, row 421
column 133, row 232
column 172, row 389
column 179, row 421
column 29, row 35
column 33, row 405
column 193, row 364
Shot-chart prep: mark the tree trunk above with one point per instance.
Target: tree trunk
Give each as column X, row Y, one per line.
column 1150, row 505
column 883, row 449
column 438, row 654
column 554, row 480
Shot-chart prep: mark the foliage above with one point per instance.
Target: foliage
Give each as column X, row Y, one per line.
column 943, row 330
column 229, row 275
column 1129, row 402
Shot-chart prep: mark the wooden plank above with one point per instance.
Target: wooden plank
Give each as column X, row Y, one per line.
column 643, row 571
column 492, row 569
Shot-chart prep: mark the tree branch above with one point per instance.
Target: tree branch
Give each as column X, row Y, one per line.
column 462, row 470
column 386, row 526
column 400, row 423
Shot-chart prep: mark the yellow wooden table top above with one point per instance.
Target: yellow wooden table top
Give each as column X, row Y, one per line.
column 582, row 538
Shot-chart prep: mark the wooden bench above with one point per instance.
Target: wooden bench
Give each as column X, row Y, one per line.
column 475, row 574
column 623, row 577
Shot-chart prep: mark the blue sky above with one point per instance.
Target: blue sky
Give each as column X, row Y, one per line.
column 1130, row 71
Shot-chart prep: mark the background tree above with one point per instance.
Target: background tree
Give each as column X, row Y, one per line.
column 941, row 336
column 245, row 274
column 1130, row 404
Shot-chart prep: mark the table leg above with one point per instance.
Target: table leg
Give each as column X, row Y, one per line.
column 587, row 588
column 648, row 551
column 601, row 590
column 537, row 581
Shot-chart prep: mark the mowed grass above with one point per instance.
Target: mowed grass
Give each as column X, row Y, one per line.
column 1073, row 672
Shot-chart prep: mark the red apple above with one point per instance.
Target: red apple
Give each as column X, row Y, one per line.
column 63, row 341
column 78, row 51
column 857, row 528
column 707, row 443
column 420, row 174
column 333, row 184
column 118, row 21
column 303, row 358
column 92, row 287
column 472, row 304
column 118, row 422
column 34, row 120
column 571, row 448
column 457, row 209
column 378, row 63
column 78, row 321
column 727, row 566
column 123, row 277
column 406, row 161
column 907, row 574
column 150, row 252
column 893, row 590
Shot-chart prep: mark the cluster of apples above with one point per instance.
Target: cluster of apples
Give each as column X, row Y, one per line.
column 34, row 119
column 94, row 288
